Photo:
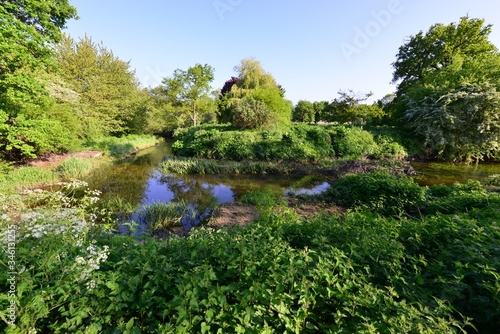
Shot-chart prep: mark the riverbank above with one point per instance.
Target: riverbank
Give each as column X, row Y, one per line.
column 52, row 168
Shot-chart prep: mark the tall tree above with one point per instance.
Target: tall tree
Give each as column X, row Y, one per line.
column 107, row 86
column 304, row 112
column 27, row 30
column 190, row 90
column 253, row 83
column 349, row 108
column 445, row 78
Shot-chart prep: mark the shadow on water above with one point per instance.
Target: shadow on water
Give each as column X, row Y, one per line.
column 137, row 182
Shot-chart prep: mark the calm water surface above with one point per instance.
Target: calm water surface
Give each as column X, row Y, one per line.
column 137, row 181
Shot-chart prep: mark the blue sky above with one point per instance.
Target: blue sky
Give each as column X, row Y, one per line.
column 313, row 48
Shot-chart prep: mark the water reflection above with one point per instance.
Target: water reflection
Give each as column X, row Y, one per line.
column 136, row 181
column 448, row 173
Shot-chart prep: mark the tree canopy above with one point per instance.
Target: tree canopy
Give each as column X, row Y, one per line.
column 449, row 79
column 27, row 31
column 253, row 83
column 189, row 90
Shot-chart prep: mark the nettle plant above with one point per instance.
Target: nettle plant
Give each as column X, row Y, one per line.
column 56, row 258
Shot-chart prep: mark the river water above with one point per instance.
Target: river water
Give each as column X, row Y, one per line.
column 138, row 182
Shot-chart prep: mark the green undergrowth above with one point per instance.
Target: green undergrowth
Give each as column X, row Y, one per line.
column 298, row 142
column 123, row 146
column 359, row 272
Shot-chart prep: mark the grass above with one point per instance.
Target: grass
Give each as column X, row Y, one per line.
column 160, row 216
column 26, row 177
column 74, row 168
column 123, row 146
column 184, row 165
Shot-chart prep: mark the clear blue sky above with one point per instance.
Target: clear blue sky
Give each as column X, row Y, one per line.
column 313, row 48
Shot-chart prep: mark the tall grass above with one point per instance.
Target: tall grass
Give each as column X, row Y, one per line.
column 123, row 146
column 26, row 177
column 159, row 216
column 184, row 165
column 74, row 168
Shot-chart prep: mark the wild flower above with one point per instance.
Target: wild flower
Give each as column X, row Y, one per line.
column 89, row 263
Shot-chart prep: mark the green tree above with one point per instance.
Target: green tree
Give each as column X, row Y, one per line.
column 348, row 108
column 27, row 31
column 107, row 87
column 450, row 67
column 253, row 82
column 457, row 50
column 304, row 112
column 189, row 90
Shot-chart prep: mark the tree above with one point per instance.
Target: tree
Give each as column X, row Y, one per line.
column 106, row 85
column 348, row 108
column 27, row 30
column 446, row 77
column 253, row 82
column 189, row 90
column 462, row 124
column 304, row 112
column 457, row 46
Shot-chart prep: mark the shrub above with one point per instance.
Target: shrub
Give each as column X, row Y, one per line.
column 377, row 191
column 249, row 113
column 352, row 142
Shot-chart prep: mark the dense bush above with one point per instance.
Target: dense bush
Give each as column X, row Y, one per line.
column 299, row 142
column 378, row 191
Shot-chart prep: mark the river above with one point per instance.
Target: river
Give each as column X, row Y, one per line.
column 137, row 181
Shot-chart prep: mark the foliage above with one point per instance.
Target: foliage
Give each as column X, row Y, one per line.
column 253, row 82
column 462, row 124
column 189, row 91
column 378, row 192
column 105, row 84
column 440, row 48
column 448, row 89
column 351, row 142
column 355, row 273
column 349, row 109
column 26, row 30
column 249, row 113
column 300, row 142
column 304, row 111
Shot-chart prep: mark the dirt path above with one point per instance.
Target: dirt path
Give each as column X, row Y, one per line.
column 55, row 158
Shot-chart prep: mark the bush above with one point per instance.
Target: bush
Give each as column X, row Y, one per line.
column 352, row 142
column 299, row 143
column 377, row 191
